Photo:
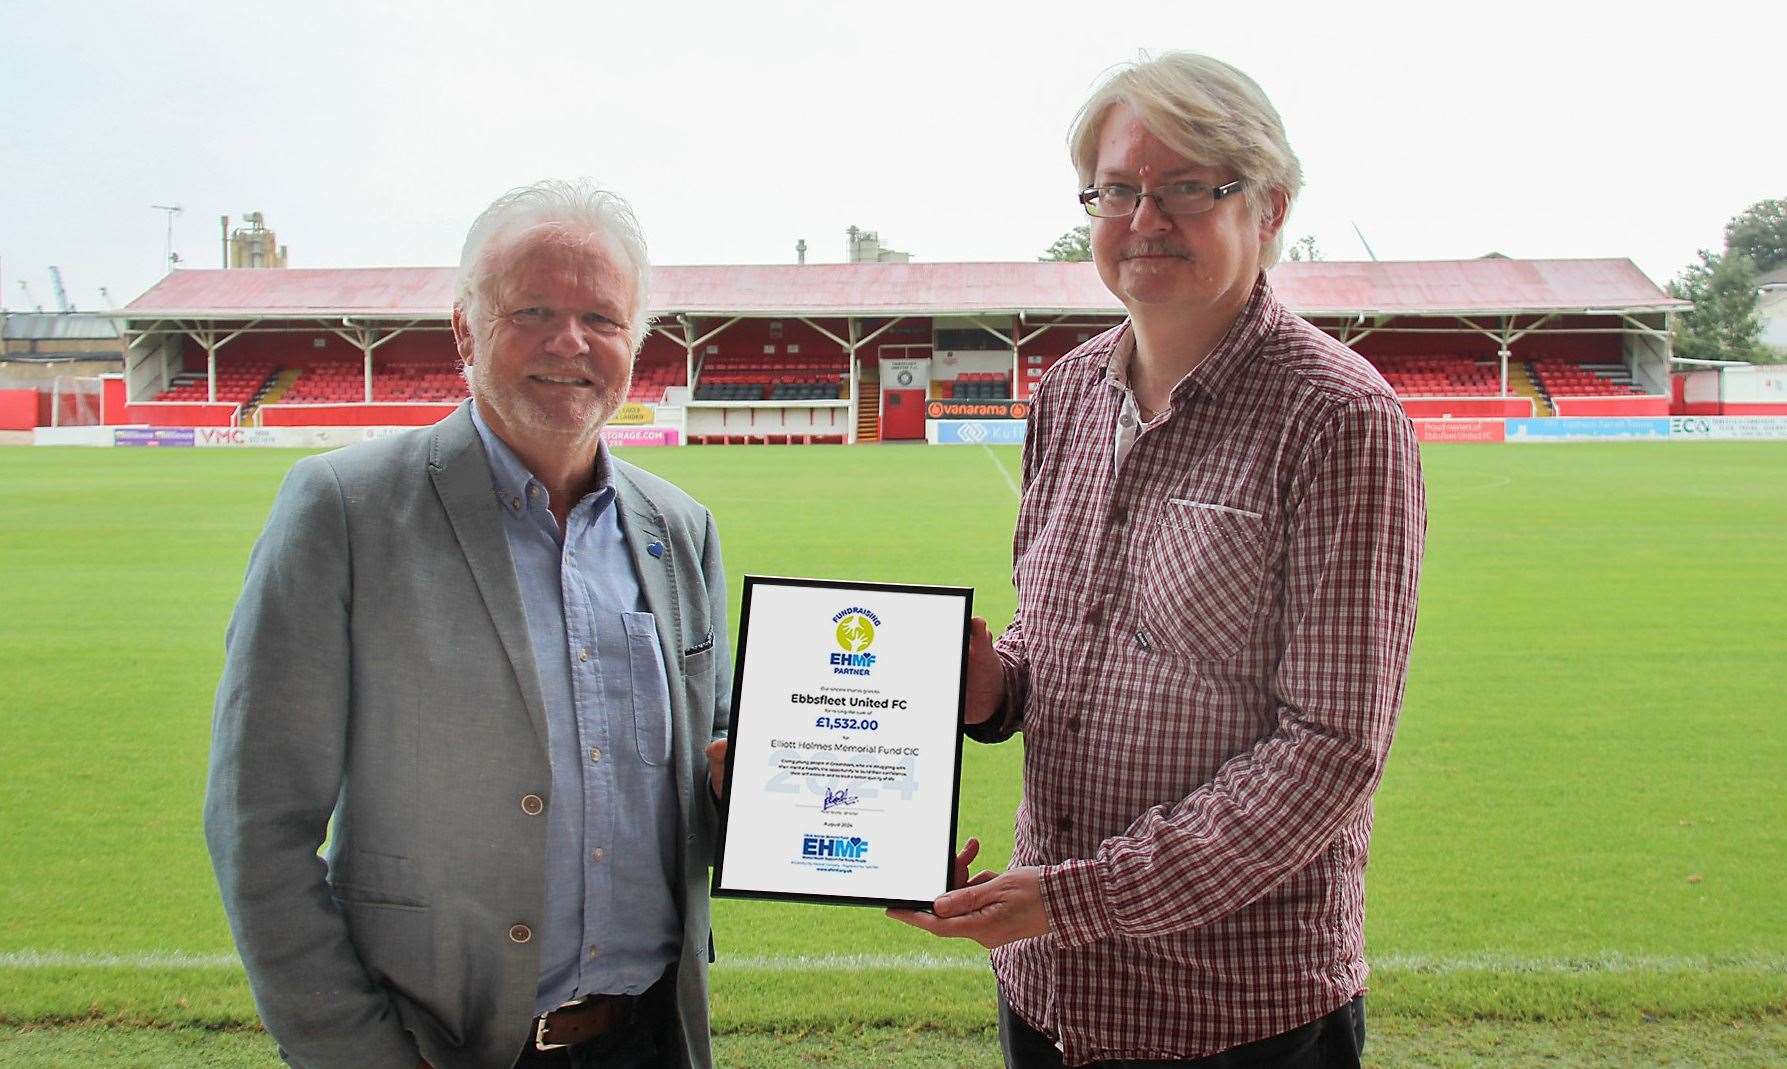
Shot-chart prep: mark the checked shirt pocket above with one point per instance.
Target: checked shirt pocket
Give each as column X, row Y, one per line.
column 1201, row 579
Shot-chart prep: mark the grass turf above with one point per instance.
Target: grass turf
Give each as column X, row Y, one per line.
column 1581, row 818
column 1393, row 1043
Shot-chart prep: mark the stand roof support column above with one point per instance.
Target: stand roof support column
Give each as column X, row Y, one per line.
column 852, row 327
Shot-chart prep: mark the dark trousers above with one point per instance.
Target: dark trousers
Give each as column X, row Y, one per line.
column 1332, row 1042
column 647, row 1039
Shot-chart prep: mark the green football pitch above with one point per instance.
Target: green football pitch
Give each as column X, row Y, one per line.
column 1583, row 818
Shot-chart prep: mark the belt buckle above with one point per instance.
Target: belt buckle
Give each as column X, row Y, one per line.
column 540, row 1043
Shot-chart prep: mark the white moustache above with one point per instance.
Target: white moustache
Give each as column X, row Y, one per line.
column 1155, row 250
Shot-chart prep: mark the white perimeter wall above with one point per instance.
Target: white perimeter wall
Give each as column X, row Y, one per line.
column 1755, row 385
column 830, row 418
column 1701, row 388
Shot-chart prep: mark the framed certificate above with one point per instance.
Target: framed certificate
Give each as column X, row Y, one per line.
column 846, row 753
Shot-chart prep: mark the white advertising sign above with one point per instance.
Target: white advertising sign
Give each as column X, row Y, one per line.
column 1728, row 428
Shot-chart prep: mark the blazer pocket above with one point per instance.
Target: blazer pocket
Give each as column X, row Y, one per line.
column 651, row 688
column 1201, row 579
column 366, row 878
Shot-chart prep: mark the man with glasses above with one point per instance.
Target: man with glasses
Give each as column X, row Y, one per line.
column 1216, row 557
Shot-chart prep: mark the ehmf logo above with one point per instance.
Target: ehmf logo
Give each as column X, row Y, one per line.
column 835, row 848
column 856, row 633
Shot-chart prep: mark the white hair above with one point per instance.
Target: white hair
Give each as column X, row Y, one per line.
column 1206, row 111
column 577, row 205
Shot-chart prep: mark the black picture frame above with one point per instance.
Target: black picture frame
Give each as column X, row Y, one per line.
column 946, row 848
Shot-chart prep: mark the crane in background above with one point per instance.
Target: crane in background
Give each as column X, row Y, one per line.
column 1365, row 243
column 61, row 293
column 25, row 288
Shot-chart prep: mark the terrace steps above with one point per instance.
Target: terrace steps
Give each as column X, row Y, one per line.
column 281, row 383
column 868, row 407
column 1521, row 384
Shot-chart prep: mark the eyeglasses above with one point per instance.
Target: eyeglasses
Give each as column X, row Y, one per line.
column 1175, row 198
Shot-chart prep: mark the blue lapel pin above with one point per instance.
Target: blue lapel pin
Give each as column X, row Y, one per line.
column 656, row 549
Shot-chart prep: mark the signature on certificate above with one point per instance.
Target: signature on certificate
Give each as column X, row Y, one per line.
column 836, row 798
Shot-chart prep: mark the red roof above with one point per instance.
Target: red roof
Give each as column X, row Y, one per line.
column 1324, row 288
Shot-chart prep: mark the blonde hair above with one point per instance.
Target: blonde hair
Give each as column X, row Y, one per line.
column 1208, row 112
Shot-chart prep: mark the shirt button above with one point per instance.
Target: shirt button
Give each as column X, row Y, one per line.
column 521, row 933
column 592, row 952
column 583, row 654
column 597, row 854
column 1095, row 616
column 1120, row 517
column 1064, row 824
column 532, row 804
column 595, row 753
column 1073, row 724
column 515, row 504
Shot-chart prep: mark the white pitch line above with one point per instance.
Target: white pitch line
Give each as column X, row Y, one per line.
column 149, row 959
column 849, row 962
column 1597, row 963
column 1006, row 475
column 1388, row 963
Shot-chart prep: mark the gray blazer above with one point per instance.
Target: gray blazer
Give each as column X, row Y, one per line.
column 378, row 675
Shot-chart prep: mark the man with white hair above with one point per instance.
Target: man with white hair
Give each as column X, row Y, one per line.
column 1216, row 557
column 486, row 661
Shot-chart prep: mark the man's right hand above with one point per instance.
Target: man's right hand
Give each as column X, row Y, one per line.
column 986, row 675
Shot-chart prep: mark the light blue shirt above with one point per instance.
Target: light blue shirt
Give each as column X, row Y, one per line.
column 611, row 923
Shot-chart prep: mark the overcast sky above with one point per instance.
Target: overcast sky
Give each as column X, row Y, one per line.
column 371, row 134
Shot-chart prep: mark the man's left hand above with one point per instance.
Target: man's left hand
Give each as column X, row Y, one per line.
column 716, row 767
column 992, row 912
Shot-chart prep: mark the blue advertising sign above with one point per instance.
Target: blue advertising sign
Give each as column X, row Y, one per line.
column 155, row 436
column 978, row 431
column 1586, row 428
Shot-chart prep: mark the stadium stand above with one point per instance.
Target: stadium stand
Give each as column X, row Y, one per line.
column 418, row 382
column 978, row 386
column 236, row 383
column 1559, row 377
column 1440, row 376
column 325, row 383
column 652, row 377
column 776, row 378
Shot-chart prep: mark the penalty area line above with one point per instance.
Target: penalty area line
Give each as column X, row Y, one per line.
column 1003, row 474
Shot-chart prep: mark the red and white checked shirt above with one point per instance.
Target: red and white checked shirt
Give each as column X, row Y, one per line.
column 1207, row 663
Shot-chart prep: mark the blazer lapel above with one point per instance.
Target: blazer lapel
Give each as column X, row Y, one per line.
column 643, row 526
column 461, row 476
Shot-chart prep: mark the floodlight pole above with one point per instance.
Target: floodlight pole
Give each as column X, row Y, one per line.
column 171, row 210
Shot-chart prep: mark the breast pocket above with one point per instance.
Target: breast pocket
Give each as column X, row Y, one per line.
column 1201, row 580
column 651, row 688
